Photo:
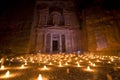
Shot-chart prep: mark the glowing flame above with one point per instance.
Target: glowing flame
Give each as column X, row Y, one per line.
column 112, row 59
column 25, row 63
column 66, row 63
column 60, row 64
column 44, row 67
column 50, row 63
column 98, row 60
column 94, row 64
column 109, row 62
column 40, row 77
column 78, row 65
column 7, row 73
column 22, row 66
column 2, row 67
column 88, row 68
column 77, row 62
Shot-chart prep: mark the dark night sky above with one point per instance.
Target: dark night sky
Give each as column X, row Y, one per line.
column 108, row 4
column 6, row 5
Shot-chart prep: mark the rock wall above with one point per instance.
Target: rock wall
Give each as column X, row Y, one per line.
column 103, row 29
column 15, row 27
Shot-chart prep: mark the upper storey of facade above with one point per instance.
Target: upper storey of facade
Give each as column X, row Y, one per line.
column 58, row 3
column 59, row 13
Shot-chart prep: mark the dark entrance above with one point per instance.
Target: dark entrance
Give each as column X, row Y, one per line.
column 55, row 46
column 63, row 43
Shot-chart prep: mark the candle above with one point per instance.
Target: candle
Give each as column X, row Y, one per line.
column 2, row 67
column 60, row 65
column 50, row 63
column 7, row 74
column 25, row 63
column 22, row 66
column 44, row 67
column 88, row 68
column 40, row 77
column 93, row 64
column 78, row 65
column 66, row 63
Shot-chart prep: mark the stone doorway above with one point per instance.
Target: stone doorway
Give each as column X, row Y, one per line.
column 55, row 44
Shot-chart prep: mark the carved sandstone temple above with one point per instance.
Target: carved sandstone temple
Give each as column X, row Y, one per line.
column 55, row 27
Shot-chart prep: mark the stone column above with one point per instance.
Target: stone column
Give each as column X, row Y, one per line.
column 66, row 42
column 45, row 43
column 60, row 42
column 41, row 42
column 37, row 42
column 51, row 42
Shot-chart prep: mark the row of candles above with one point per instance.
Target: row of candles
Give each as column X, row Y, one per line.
column 66, row 60
column 8, row 75
column 59, row 59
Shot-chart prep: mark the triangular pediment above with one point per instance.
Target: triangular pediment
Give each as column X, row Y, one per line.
column 56, row 27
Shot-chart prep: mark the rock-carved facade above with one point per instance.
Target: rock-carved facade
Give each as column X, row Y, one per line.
column 55, row 27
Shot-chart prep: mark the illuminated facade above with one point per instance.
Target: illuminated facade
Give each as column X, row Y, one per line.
column 55, row 27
